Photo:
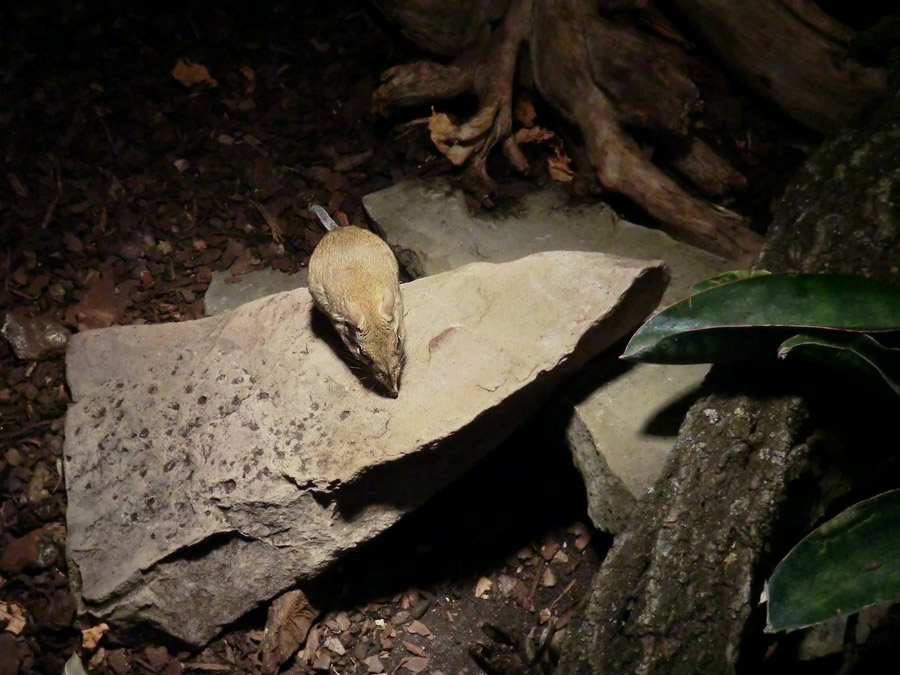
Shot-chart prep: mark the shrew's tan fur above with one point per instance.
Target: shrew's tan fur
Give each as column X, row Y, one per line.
column 354, row 280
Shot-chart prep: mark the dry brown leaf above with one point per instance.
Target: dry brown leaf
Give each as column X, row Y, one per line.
column 534, row 135
column 33, row 550
column 20, row 189
column 12, row 617
column 90, row 637
column 245, row 262
column 418, row 628
column 443, row 131
column 482, row 587
column 412, row 648
column 342, row 619
column 445, row 136
column 289, row 620
column 276, row 229
column 582, row 536
column 190, row 73
column 415, row 664
column 250, row 76
column 373, row 664
column 559, row 167
column 322, row 662
column 525, row 112
column 101, row 306
column 350, row 162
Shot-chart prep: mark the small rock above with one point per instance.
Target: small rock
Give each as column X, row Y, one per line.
column 506, row 585
column 582, row 536
column 57, row 292
column 334, row 645
column 41, row 479
column 34, row 338
column 72, row 243
column 13, row 457
column 548, row 578
column 417, row 611
column 400, row 618
column 39, row 549
column 549, row 549
column 97, row 659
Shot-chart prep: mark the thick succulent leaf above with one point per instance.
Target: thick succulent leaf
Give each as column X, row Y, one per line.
column 726, row 278
column 847, row 564
column 744, row 318
column 74, row 666
column 854, row 351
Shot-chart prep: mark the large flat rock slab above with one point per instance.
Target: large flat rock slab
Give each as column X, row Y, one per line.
column 432, row 230
column 211, row 464
column 226, row 292
column 625, row 416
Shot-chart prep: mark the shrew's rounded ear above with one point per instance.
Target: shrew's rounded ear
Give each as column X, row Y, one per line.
column 386, row 309
column 354, row 315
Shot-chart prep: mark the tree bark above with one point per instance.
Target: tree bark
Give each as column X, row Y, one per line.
column 754, row 468
column 791, row 53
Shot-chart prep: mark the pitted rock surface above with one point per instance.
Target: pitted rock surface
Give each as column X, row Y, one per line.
column 210, row 464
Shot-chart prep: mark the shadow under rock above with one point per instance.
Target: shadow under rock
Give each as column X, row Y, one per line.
column 507, row 500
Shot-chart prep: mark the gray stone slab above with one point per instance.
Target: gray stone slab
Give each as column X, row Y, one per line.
column 212, row 464
column 227, row 292
column 431, row 229
column 622, row 430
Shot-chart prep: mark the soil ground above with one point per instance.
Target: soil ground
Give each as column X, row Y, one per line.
column 122, row 190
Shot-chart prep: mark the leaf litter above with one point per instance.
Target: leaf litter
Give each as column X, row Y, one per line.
column 126, row 220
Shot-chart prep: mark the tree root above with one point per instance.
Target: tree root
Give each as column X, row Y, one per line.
column 603, row 75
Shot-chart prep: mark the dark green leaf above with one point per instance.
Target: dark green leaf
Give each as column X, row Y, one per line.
column 858, row 352
column 847, row 564
column 744, row 318
column 726, row 278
